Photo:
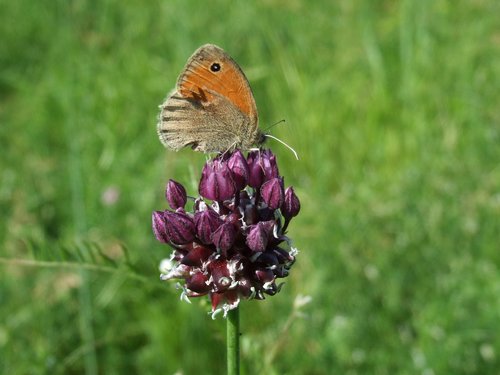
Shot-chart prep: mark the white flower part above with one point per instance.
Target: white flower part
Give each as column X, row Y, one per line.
column 294, row 251
column 244, row 283
column 244, row 225
column 225, row 308
column 216, row 312
column 252, row 293
column 215, row 206
column 166, row 265
column 184, row 296
column 233, row 267
column 268, row 285
column 204, row 265
column 230, row 306
column 226, row 281
column 233, row 285
column 275, row 231
column 203, row 206
column 179, row 272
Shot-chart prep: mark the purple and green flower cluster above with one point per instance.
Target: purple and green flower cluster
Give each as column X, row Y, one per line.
column 233, row 244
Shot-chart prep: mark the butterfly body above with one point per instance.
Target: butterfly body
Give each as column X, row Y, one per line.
column 212, row 108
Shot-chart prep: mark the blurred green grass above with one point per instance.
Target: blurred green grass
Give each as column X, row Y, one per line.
column 393, row 108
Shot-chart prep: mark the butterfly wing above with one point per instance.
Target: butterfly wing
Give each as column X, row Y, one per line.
column 211, row 126
column 212, row 108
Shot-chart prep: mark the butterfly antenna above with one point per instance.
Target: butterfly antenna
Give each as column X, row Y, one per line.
column 273, row 125
column 284, row 144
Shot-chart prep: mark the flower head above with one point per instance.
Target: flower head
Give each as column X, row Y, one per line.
column 233, row 244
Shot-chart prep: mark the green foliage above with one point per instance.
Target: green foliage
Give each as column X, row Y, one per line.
column 393, row 109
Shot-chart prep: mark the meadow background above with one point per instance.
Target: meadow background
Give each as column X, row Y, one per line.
column 394, row 109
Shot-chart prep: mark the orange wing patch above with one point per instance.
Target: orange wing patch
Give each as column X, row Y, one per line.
column 200, row 77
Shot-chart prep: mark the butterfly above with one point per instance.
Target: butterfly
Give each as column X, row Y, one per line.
column 212, row 108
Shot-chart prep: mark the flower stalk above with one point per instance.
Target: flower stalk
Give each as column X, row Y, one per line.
column 233, row 342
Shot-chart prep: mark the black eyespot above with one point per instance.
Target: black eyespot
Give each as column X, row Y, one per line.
column 215, row 67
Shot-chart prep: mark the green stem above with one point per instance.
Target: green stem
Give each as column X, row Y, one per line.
column 233, row 342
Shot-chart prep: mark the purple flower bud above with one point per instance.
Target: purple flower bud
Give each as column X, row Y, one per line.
column 255, row 169
column 269, row 164
column 259, row 235
column 283, row 256
column 268, row 258
column 179, row 227
column 251, row 214
column 238, row 165
column 206, row 223
column 197, row 282
column 281, row 271
column 223, row 238
column 272, row 193
column 291, row 204
column 262, row 166
column 220, row 274
column 228, row 298
column 159, row 227
column 216, row 299
column 216, row 181
column 233, row 218
column 196, row 256
column 265, row 275
column 245, row 287
column 175, row 194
